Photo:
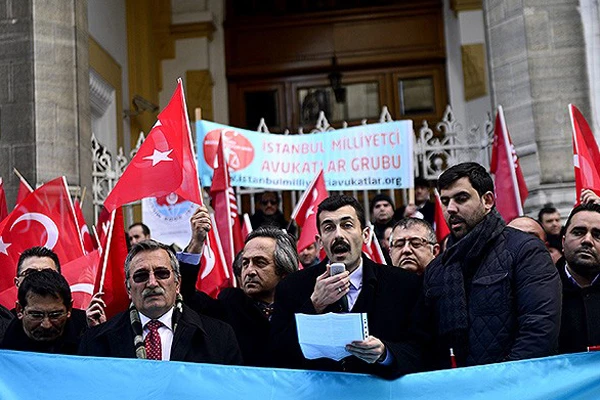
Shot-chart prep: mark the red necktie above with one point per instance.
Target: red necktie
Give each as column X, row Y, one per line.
column 152, row 341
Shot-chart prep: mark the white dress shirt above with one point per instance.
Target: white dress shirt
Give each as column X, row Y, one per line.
column 165, row 332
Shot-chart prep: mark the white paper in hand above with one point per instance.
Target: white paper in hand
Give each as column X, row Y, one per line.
column 327, row 335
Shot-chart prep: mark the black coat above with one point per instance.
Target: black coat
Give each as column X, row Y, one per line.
column 388, row 296
column 513, row 302
column 580, row 323
column 249, row 323
column 197, row 339
column 68, row 343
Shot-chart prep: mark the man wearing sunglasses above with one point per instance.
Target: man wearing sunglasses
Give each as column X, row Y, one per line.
column 268, row 212
column 413, row 245
column 158, row 325
column 44, row 320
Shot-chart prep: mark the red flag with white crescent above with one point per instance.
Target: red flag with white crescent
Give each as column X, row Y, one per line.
column 86, row 238
column 214, row 273
column 373, row 250
column 305, row 213
column 45, row 218
column 586, row 157
column 165, row 162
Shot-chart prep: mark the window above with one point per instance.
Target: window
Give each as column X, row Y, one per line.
column 362, row 101
column 416, row 96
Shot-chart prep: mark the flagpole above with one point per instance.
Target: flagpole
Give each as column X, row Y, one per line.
column 22, row 178
column 228, row 203
column 82, row 196
column 513, row 173
column 97, row 238
column 576, row 150
column 105, row 261
column 190, row 141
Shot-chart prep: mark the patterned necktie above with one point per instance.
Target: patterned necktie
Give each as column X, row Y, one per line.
column 152, row 341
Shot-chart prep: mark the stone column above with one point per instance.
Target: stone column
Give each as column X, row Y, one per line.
column 537, row 66
column 44, row 92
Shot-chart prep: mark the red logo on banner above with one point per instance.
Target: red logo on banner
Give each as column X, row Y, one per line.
column 238, row 149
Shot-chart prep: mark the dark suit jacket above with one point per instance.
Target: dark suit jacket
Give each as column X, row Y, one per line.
column 250, row 325
column 68, row 343
column 197, row 339
column 388, row 297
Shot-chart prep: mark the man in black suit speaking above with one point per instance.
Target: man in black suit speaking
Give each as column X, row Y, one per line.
column 386, row 294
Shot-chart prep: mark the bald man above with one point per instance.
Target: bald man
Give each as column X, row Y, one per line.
column 529, row 225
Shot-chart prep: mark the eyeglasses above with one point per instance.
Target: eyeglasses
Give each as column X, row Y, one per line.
column 414, row 242
column 40, row 315
column 143, row 275
column 271, row 202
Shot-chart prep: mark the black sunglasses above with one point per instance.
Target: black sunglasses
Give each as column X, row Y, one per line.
column 143, row 275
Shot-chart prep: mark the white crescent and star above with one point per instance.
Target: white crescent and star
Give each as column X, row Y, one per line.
column 47, row 223
column 4, row 246
column 159, row 156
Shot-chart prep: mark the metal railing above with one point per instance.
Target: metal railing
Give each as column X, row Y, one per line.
column 435, row 149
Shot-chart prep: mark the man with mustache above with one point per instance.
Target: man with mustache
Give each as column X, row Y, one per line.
column 385, row 293
column 158, row 325
column 579, row 270
column 494, row 294
column 44, row 320
column 413, row 245
column 269, row 255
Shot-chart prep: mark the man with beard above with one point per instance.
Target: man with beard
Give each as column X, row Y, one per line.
column 269, row 255
column 44, row 320
column 157, row 325
column 385, row 293
column 494, row 294
column 579, row 270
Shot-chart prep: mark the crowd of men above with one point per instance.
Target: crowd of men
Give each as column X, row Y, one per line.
column 493, row 293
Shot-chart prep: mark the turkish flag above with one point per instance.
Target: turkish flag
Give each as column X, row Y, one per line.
column 84, row 233
column 305, row 213
column 110, row 278
column 225, row 206
column 164, row 163
column 586, row 157
column 511, row 190
column 3, row 205
column 439, row 222
column 214, row 273
column 45, row 218
column 81, row 275
column 372, row 249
